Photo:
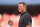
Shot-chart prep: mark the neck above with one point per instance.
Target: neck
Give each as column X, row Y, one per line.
column 23, row 11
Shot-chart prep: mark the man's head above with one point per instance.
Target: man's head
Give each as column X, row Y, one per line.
column 22, row 6
column 10, row 22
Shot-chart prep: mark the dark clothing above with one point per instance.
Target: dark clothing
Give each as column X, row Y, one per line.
column 25, row 20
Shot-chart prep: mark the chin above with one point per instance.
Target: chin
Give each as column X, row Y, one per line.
column 19, row 11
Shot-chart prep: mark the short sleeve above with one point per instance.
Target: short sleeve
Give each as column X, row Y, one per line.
column 27, row 20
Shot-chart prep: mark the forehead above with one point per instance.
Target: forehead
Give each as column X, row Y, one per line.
column 20, row 5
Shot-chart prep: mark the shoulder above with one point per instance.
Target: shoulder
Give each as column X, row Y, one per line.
column 7, row 26
column 26, row 14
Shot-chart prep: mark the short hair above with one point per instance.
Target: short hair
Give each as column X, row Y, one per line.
column 10, row 21
column 23, row 3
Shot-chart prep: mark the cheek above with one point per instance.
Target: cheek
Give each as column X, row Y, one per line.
column 22, row 8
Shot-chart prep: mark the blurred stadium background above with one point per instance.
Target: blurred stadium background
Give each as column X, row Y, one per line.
column 9, row 11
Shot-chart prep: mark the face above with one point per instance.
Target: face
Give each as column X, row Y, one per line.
column 10, row 23
column 21, row 7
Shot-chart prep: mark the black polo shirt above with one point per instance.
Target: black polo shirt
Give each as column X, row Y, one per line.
column 25, row 20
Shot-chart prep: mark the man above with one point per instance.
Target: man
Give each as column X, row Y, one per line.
column 25, row 19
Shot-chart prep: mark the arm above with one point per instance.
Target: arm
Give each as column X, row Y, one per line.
column 28, row 21
column 28, row 26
